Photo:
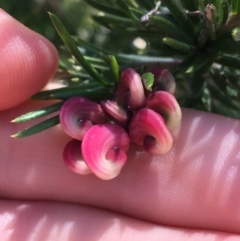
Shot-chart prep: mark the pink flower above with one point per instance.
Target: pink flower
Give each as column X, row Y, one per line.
column 131, row 92
column 104, row 149
column 78, row 115
column 73, row 158
column 147, row 128
column 166, row 105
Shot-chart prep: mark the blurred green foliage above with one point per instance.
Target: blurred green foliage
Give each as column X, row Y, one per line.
column 33, row 13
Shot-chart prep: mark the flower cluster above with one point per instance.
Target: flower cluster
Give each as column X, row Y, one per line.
column 102, row 132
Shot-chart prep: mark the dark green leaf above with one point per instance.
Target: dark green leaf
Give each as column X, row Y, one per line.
column 201, row 60
column 229, row 60
column 38, row 127
column 179, row 13
column 74, row 50
column 170, row 29
column 235, row 6
column 115, row 69
column 122, row 4
column 39, row 113
column 180, row 46
column 105, row 8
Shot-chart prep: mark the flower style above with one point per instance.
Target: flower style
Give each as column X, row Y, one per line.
column 78, row 115
column 104, row 149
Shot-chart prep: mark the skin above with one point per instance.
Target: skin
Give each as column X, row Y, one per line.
column 191, row 193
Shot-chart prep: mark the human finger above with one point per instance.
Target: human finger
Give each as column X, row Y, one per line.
column 195, row 185
column 60, row 221
column 28, row 61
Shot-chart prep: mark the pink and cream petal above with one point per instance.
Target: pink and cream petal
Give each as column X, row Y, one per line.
column 147, row 128
column 166, row 105
column 104, row 149
column 131, row 92
column 73, row 158
column 78, row 115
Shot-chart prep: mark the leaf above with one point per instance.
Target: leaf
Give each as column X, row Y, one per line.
column 169, row 28
column 96, row 94
column 222, row 13
column 179, row 13
column 115, row 69
column 105, row 8
column 74, row 50
column 201, row 60
column 229, row 60
column 112, row 19
column 148, row 5
column 235, row 6
column 175, row 44
column 191, row 5
column 38, row 127
column 45, row 94
column 38, row 113
column 92, row 93
column 126, row 10
column 148, row 81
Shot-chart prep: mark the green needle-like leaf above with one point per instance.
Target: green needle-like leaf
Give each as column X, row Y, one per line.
column 105, row 8
column 122, row 4
column 38, row 127
column 230, row 61
column 44, row 95
column 179, row 13
column 74, row 50
column 235, row 6
column 175, row 44
column 200, row 61
column 169, row 28
column 39, row 113
column 92, row 94
column 115, row 69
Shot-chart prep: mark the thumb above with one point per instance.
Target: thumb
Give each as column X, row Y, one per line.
column 28, row 61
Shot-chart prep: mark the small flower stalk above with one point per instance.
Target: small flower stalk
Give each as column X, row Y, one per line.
column 102, row 133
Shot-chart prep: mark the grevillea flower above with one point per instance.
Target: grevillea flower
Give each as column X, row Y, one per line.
column 166, row 105
column 78, row 115
column 104, row 149
column 148, row 128
column 73, row 158
column 131, row 92
column 163, row 80
column 115, row 112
